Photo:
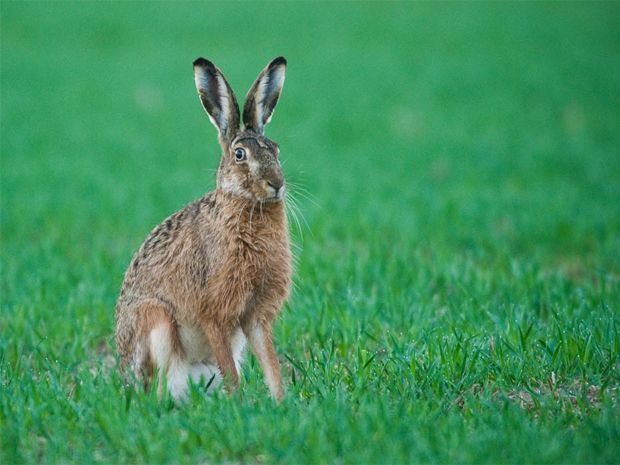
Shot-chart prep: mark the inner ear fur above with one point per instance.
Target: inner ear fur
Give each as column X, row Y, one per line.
column 217, row 98
column 263, row 95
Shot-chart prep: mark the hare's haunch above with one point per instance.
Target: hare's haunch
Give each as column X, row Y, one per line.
column 217, row 272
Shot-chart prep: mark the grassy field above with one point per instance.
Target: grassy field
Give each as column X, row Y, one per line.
column 457, row 291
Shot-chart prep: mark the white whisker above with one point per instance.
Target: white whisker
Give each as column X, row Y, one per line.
column 239, row 221
column 251, row 214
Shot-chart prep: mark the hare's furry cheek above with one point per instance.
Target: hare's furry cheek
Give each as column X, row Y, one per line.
column 241, row 181
column 254, row 167
column 233, row 187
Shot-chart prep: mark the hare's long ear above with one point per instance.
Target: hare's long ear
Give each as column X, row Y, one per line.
column 263, row 95
column 217, row 98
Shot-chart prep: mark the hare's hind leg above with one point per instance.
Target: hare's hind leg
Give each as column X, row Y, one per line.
column 159, row 337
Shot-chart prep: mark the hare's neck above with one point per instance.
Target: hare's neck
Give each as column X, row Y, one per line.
column 247, row 217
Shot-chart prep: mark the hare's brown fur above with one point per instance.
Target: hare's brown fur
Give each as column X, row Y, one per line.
column 215, row 272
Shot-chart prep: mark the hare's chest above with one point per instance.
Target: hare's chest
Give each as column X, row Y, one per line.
column 269, row 289
column 274, row 275
column 267, row 269
column 252, row 279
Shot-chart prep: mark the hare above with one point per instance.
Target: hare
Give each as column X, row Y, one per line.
column 216, row 273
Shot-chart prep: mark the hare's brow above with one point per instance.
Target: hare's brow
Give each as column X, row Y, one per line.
column 258, row 141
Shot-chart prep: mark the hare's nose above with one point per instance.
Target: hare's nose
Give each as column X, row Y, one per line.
column 277, row 185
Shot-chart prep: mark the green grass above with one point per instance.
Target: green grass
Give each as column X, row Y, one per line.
column 457, row 290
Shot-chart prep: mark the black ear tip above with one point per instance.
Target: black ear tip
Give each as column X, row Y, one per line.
column 204, row 63
column 278, row 61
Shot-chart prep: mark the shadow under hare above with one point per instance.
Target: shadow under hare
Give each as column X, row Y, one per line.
column 216, row 273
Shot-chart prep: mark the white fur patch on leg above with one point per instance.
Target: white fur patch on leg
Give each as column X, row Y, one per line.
column 160, row 348
column 237, row 342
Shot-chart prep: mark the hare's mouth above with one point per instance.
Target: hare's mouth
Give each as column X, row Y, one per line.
column 274, row 198
column 274, row 193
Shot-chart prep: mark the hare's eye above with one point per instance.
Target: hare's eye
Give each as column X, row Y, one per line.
column 239, row 154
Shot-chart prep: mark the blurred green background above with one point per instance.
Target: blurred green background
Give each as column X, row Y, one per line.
column 458, row 168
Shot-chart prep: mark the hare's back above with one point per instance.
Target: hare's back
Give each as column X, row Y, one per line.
column 174, row 251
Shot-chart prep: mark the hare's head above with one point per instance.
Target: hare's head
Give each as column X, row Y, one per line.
column 250, row 166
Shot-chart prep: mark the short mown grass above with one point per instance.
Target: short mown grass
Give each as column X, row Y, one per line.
column 457, row 286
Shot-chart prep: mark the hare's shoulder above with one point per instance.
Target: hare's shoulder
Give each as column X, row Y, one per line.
column 168, row 241
column 179, row 225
